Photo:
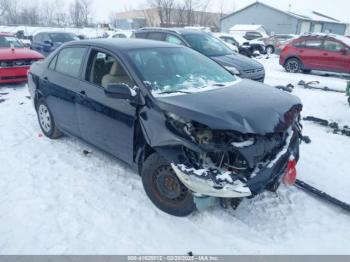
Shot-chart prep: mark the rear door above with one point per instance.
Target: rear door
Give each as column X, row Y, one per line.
column 60, row 84
column 106, row 122
column 334, row 58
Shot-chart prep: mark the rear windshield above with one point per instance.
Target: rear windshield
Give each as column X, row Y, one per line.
column 7, row 41
column 62, row 38
column 207, row 45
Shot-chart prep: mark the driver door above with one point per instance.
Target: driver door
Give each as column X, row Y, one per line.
column 106, row 122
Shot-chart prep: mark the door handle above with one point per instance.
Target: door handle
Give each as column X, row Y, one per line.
column 82, row 93
column 325, row 54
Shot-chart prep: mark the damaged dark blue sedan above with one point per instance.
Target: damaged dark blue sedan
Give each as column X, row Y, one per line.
column 196, row 134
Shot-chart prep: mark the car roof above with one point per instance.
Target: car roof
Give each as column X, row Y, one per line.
column 123, row 44
column 178, row 30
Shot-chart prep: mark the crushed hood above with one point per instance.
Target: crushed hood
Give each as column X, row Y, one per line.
column 19, row 53
column 239, row 61
column 248, row 107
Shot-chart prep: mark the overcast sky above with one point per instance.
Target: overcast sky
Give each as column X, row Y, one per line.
column 336, row 8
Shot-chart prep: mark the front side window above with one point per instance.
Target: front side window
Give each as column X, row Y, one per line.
column 334, row 46
column 69, row 60
column 104, row 69
column 207, row 45
column 178, row 69
column 8, row 41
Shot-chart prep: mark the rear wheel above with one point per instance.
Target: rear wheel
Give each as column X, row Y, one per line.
column 46, row 121
column 164, row 188
column 293, row 65
column 270, row 50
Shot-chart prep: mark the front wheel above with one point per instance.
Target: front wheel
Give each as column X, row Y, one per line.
column 164, row 188
column 293, row 65
column 46, row 121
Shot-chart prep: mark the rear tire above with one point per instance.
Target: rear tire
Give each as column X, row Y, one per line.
column 164, row 189
column 46, row 120
column 293, row 65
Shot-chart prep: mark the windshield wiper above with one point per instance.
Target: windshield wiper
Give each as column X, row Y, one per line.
column 174, row 91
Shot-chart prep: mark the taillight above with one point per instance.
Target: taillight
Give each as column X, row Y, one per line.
column 291, row 172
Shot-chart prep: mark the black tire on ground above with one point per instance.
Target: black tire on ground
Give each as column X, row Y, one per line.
column 164, row 189
column 293, row 65
column 270, row 50
column 46, row 120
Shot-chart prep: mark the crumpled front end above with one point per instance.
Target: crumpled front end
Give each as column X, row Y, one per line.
column 242, row 169
column 228, row 164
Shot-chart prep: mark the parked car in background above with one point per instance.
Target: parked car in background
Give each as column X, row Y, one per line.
column 15, row 59
column 324, row 52
column 193, row 131
column 207, row 44
column 240, row 42
column 275, row 43
column 47, row 42
column 249, row 32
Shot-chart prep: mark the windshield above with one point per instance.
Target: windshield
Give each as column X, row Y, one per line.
column 62, row 38
column 181, row 70
column 207, row 45
column 6, row 41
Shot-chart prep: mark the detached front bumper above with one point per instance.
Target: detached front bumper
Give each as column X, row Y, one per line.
column 216, row 183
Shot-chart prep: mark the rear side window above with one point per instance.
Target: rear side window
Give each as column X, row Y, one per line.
column 69, row 61
column 156, row 36
column 313, row 43
column 141, row 35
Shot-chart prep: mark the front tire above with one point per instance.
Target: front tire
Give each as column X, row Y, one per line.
column 164, row 189
column 293, row 65
column 46, row 120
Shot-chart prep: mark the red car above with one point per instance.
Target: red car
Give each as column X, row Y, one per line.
column 317, row 52
column 15, row 59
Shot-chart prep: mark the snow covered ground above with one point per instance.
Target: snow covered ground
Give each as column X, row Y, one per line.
column 54, row 199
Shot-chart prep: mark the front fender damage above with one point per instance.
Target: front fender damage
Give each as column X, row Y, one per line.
column 233, row 170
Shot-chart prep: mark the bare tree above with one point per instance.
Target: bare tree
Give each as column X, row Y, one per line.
column 87, row 10
column 9, row 10
column 76, row 13
column 165, row 10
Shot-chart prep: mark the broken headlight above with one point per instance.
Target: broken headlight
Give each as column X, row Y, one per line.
column 197, row 132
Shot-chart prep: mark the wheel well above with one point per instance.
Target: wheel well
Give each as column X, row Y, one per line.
column 291, row 57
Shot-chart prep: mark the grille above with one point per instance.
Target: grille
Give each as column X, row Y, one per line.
column 254, row 71
column 16, row 63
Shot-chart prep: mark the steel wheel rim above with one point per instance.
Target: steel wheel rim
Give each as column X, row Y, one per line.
column 44, row 118
column 178, row 192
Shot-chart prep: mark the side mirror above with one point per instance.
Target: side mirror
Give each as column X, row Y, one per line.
column 48, row 42
column 120, row 91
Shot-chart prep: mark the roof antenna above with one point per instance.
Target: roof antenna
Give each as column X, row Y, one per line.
column 289, row 7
